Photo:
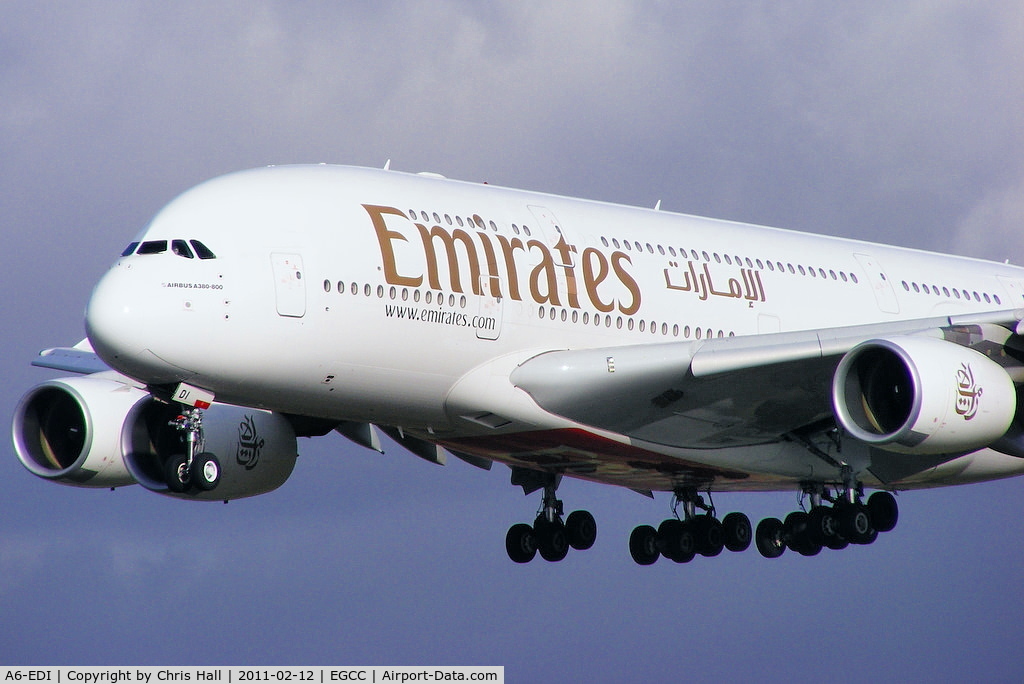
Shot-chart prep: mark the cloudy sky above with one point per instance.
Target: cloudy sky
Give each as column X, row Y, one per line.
column 900, row 122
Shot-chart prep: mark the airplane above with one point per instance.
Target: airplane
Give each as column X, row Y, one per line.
column 635, row 347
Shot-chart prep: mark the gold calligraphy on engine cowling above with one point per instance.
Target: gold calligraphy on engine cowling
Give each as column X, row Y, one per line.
column 495, row 260
column 967, row 392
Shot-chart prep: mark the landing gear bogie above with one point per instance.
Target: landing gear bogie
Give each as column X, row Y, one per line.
column 683, row 537
column 847, row 521
column 549, row 535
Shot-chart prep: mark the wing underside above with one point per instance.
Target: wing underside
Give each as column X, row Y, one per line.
column 733, row 413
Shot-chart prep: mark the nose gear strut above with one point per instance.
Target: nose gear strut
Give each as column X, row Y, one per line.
column 195, row 468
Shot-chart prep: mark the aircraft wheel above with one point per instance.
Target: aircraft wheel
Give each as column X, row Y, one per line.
column 795, row 530
column 205, row 471
column 643, row 545
column 552, row 540
column 823, row 526
column 736, row 531
column 676, row 540
column 808, row 547
column 883, row 510
column 582, row 530
column 799, row 534
column 176, row 473
column 837, row 543
column 768, row 538
column 520, row 543
column 855, row 523
column 708, row 534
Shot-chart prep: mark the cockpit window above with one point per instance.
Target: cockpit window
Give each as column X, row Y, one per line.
column 202, row 251
column 153, row 247
column 180, row 247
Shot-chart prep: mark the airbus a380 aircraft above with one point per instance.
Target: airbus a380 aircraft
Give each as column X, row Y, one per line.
column 561, row 337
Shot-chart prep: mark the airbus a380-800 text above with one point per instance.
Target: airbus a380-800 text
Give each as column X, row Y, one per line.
column 561, row 337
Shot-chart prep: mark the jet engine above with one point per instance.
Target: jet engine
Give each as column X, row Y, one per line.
column 922, row 395
column 94, row 431
column 69, row 430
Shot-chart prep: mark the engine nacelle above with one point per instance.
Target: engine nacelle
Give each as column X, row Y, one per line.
column 69, row 430
column 94, row 431
column 256, row 449
column 922, row 395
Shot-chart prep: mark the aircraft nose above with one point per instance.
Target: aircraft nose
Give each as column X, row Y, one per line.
column 122, row 328
column 110, row 316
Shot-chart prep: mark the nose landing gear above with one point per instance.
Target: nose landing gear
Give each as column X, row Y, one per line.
column 195, row 468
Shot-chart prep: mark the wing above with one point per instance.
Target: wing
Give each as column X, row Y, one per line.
column 78, row 359
column 737, row 391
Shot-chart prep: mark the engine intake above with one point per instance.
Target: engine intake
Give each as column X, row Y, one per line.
column 922, row 395
column 69, row 430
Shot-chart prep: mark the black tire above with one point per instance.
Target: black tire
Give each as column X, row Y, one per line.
column 837, row 543
column 176, row 474
column 708, row 535
column 643, row 545
column 795, row 531
column 809, row 547
column 552, row 540
column 205, row 473
column 801, row 534
column 855, row 523
column 520, row 543
column 676, row 540
column 768, row 538
column 823, row 526
column 582, row 530
column 884, row 511
column 737, row 531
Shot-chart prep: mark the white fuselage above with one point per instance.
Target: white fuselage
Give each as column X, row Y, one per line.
column 381, row 297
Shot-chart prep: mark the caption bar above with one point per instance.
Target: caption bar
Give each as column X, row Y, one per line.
column 237, row 675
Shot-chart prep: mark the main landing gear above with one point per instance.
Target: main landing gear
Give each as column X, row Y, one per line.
column 680, row 540
column 549, row 535
column 847, row 521
column 200, row 470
